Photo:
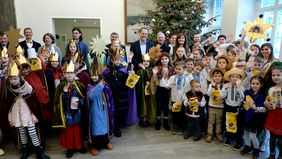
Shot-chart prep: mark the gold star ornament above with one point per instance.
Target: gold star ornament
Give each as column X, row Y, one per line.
column 257, row 29
column 14, row 36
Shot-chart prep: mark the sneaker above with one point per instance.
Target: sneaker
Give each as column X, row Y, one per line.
column 181, row 132
column 237, row 147
column 228, row 142
column 245, row 150
column 208, row 138
column 2, row 152
column 186, row 135
column 174, row 130
column 197, row 137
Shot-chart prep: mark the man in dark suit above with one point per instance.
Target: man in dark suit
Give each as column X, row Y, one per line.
column 28, row 42
column 161, row 42
column 140, row 47
column 114, row 36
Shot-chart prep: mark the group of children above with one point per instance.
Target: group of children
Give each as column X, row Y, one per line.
column 225, row 93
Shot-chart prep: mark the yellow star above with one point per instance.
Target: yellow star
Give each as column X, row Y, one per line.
column 257, row 30
column 13, row 35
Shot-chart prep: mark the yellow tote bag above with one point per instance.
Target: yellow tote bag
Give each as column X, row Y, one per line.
column 231, row 122
column 216, row 97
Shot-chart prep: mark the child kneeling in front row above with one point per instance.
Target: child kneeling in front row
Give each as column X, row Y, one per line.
column 193, row 100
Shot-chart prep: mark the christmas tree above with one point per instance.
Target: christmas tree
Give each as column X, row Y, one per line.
column 178, row 16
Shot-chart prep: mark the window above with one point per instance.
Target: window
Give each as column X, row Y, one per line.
column 272, row 14
column 218, row 4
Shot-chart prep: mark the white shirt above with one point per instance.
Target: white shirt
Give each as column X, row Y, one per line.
column 178, row 92
column 143, row 47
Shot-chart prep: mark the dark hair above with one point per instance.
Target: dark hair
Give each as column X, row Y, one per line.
column 180, row 63
column 230, row 47
column 259, row 78
column 2, row 34
column 202, row 52
column 143, row 28
column 178, row 37
column 269, row 45
column 221, row 36
column 190, row 59
column 258, row 59
column 68, row 53
column 28, row 28
column 208, row 55
column 51, row 36
column 199, row 63
column 114, row 33
column 218, row 72
column 171, row 34
column 194, row 81
column 78, row 29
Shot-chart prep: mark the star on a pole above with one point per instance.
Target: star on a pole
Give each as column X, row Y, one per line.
column 98, row 45
column 257, row 29
column 14, row 36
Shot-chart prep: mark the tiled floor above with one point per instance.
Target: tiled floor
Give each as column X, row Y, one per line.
column 142, row 143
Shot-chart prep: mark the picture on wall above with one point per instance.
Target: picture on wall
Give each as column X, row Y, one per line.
column 135, row 17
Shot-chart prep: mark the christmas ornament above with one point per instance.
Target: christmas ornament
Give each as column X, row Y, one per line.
column 257, row 29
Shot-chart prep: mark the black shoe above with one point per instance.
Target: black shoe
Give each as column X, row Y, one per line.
column 166, row 126
column 83, row 150
column 117, row 133
column 237, row 147
column 197, row 137
column 181, row 132
column 256, row 153
column 158, row 124
column 186, row 135
column 143, row 123
column 228, row 142
column 246, row 150
column 69, row 153
column 174, row 130
column 25, row 152
column 40, row 154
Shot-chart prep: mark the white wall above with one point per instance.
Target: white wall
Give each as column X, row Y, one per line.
column 38, row 15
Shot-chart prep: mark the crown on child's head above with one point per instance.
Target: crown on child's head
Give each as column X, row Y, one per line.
column 14, row 71
column 54, row 57
column 69, row 67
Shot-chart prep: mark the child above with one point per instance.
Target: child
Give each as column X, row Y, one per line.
column 180, row 55
column 160, row 78
column 273, row 104
column 198, row 54
column 24, row 112
column 193, row 100
column 69, row 100
column 200, row 76
column 81, row 70
column 101, row 112
column 224, row 63
column 233, row 94
column 144, row 97
column 179, row 86
column 189, row 68
column 216, row 105
column 253, row 69
column 208, row 59
column 254, row 115
column 71, row 50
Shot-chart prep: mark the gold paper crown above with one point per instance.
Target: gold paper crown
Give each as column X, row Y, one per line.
column 19, row 50
column 4, row 53
column 20, row 59
column 69, row 67
column 45, row 49
column 116, row 42
column 75, row 57
column 146, row 57
column 73, row 42
column 54, row 57
column 14, row 71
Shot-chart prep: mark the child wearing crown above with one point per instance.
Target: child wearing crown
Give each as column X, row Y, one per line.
column 145, row 99
column 101, row 112
column 69, row 101
column 24, row 112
